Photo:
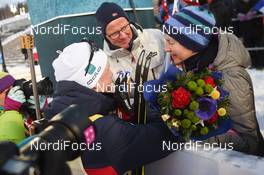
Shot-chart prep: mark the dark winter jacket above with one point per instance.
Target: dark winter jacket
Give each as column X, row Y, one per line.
column 118, row 144
column 69, row 92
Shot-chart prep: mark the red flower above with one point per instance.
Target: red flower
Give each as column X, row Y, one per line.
column 209, row 80
column 181, row 98
column 213, row 119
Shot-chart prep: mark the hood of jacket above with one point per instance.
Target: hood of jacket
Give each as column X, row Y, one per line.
column 70, row 92
column 231, row 53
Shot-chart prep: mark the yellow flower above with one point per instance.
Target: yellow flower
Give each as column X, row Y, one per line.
column 165, row 117
column 176, row 124
column 221, row 111
column 215, row 94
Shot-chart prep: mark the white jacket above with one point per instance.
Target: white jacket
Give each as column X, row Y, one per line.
column 151, row 40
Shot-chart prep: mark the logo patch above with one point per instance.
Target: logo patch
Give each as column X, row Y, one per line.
column 91, row 69
column 94, row 75
column 122, row 74
column 114, row 14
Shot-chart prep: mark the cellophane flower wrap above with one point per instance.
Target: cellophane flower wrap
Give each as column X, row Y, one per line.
column 194, row 105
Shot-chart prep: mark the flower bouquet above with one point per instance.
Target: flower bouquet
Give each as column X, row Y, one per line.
column 194, row 105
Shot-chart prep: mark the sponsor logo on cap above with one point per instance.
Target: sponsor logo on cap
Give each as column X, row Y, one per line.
column 114, row 14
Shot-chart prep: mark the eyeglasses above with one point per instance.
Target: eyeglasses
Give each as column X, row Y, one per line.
column 94, row 48
column 116, row 34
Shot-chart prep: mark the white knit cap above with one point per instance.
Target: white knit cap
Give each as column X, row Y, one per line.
column 71, row 65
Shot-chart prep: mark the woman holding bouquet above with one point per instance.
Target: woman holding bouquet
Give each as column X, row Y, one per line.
column 195, row 44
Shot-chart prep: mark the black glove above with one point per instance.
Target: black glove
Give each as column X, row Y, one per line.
column 40, row 125
column 122, row 93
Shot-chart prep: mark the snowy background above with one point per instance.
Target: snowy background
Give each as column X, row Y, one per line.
column 4, row 2
column 257, row 77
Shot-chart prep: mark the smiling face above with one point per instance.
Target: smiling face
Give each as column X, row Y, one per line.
column 119, row 33
column 178, row 52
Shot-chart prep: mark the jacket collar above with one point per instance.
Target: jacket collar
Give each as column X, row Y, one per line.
column 204, row 58
column 83, row 94
column 231, row 53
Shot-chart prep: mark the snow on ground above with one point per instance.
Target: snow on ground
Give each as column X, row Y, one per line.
column 15, row 61
column 204, row 162
column 15, row 36
column 23, row 71
column 257, row 77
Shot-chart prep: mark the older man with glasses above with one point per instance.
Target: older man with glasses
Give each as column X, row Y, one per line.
column 124, row 42
column 135, row 54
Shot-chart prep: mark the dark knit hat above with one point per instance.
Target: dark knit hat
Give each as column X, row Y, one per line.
column 192, row 27
column 107, row 12
column 6, row 81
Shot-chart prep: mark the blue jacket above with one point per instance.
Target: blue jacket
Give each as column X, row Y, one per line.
column 70, row 92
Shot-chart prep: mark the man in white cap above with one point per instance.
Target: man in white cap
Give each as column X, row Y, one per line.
column 84, row 71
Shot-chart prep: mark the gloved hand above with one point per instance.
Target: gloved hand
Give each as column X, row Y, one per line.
column 42, row 102
column 14, row 99
column 36, row 126
column 251, row 14
column 241, row 16
column 246, row 17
